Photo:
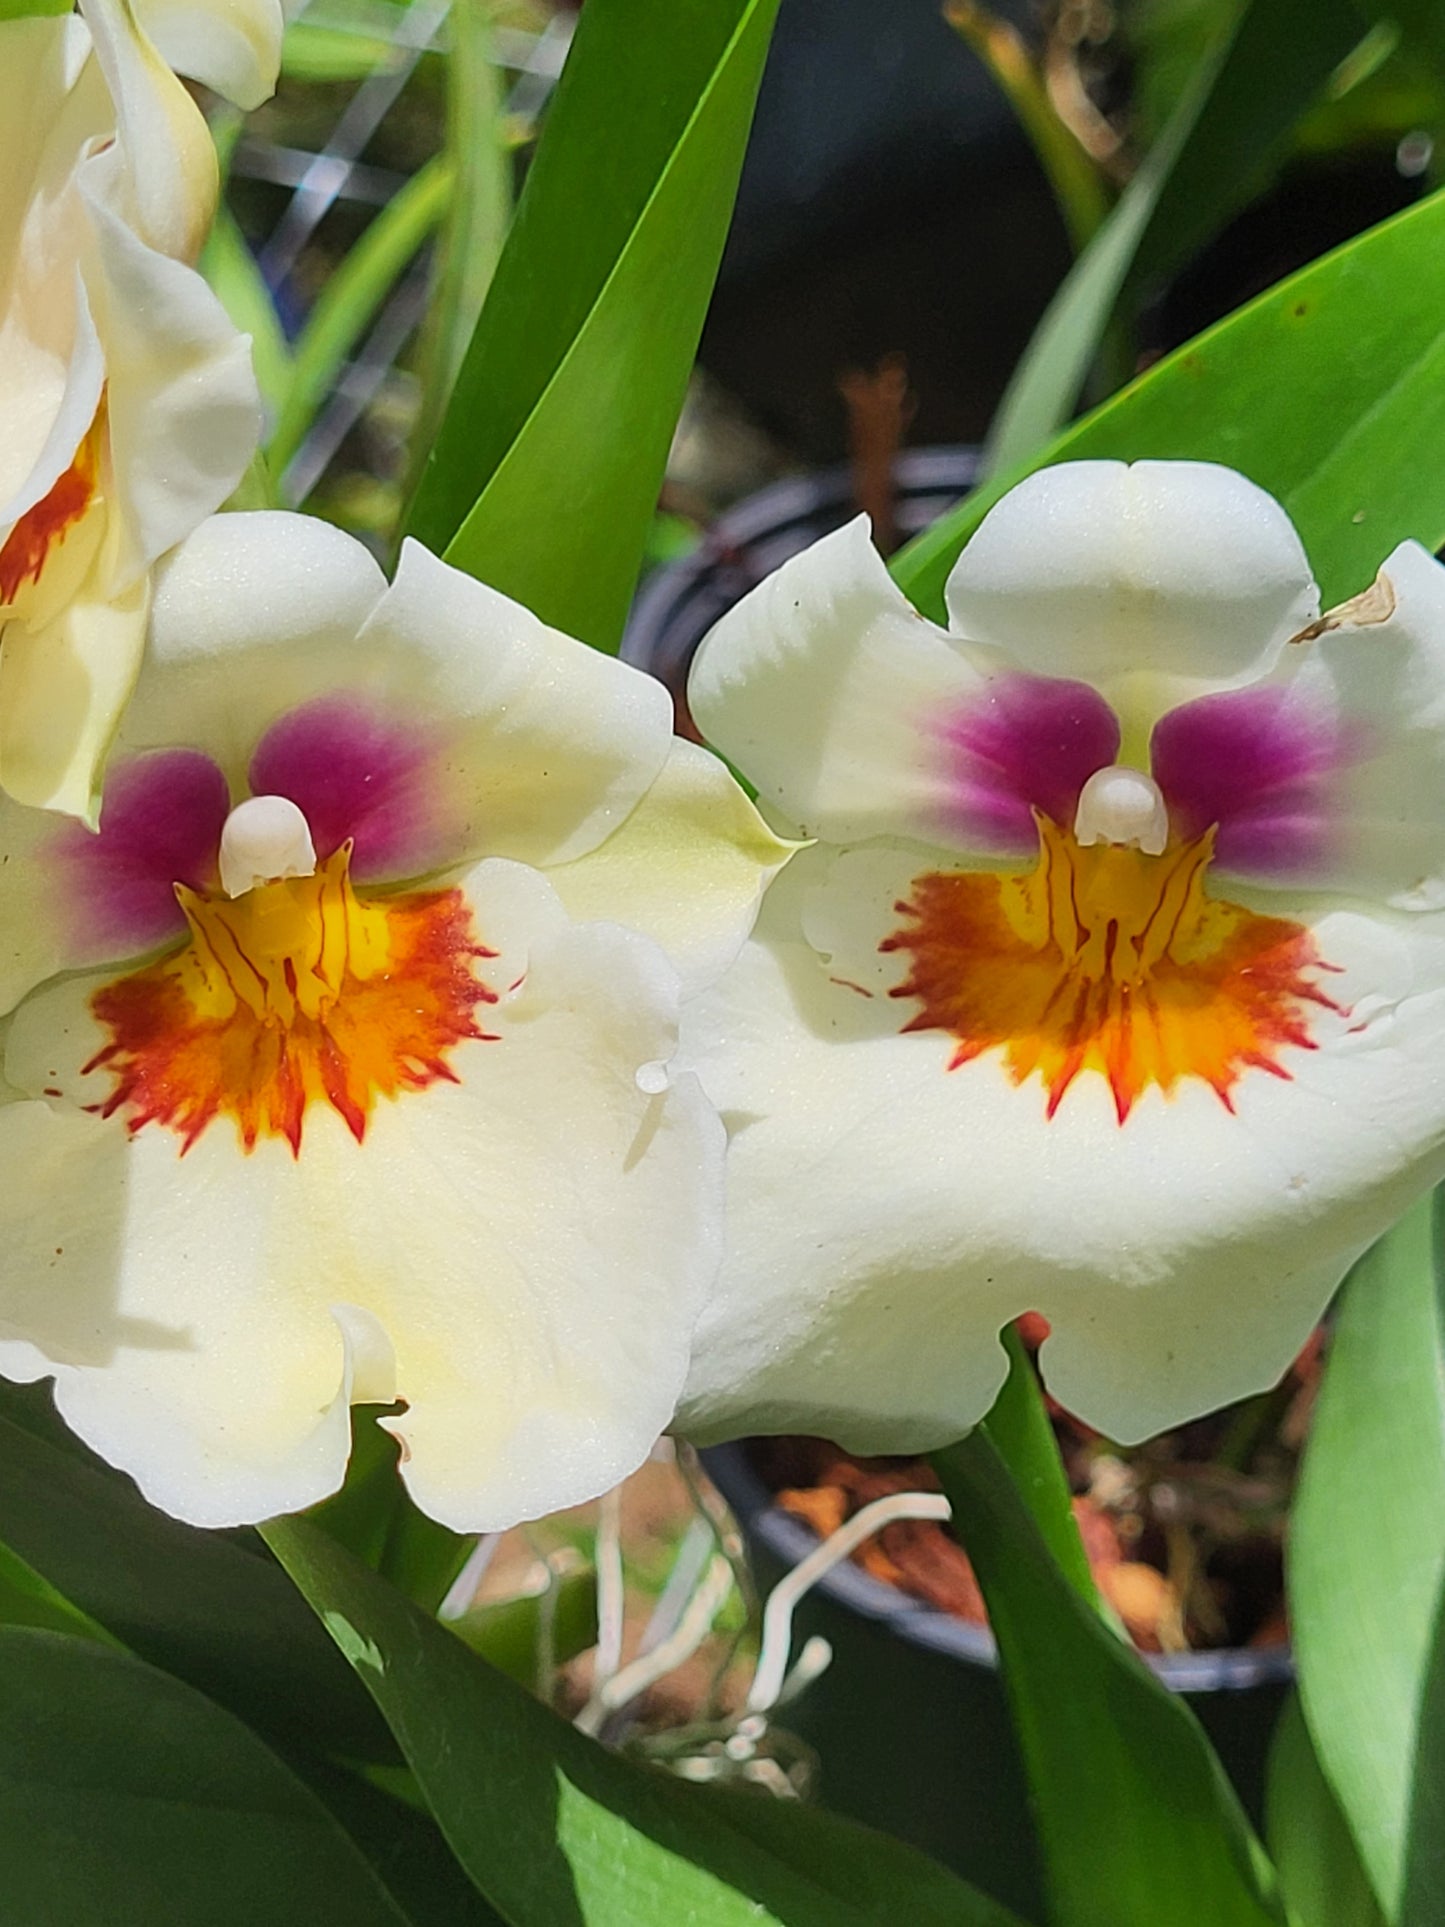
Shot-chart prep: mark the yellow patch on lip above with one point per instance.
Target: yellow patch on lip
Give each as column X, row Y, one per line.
column 297, row 992
column 1106, row 959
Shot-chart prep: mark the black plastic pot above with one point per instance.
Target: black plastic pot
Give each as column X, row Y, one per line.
column 679, row 603
column 910, row 1723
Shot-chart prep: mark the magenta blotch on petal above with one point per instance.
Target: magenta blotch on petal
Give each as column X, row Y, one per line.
column 160, row 825
column 353, row 773
column 1022, row 743
column 1263, row 766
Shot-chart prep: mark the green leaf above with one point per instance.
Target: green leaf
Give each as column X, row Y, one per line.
column 1329, row 391
column 507, row 1633
column 230, row 267
column 1024, row 1439
column 1320, row 1874
column 318, row 52
column 1045, row 385
column 547, row 469
column 1421, row 24
column 374, row 1517
column 350, row 300
column 478, row 212
column 1239, row 105
column 1367, row 1567
column 125, row 1794
column 402, row 1842
column 553, row 1829
column 1139, row 1826
column 1280, row 57
column 27, row 1598
column 212, row 1608
column 30, row 9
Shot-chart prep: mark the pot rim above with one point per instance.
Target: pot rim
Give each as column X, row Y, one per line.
column 929, row 480
column 1225, row 1669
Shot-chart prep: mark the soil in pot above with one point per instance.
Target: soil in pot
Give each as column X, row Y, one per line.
column 1184, row 1533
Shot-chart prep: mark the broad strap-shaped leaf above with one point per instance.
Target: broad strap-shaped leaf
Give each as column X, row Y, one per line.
column 1329, row 391
column 1240, row 104
column 553, row 1829
column 1320, row 1874
column 1023, row 1437
column 1367, row 1568
column 1421, row 24
column 1140, row 1827
column 1280, row 56
column 127, row 1796
column 546, row 471
column 29, row 1599
column 212, row 1608
column 374, row 1516
column 401, row 1841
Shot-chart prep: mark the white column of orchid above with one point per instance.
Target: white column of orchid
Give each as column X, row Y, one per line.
column 1114, row 985
column 327, row 1094
column 128, row 408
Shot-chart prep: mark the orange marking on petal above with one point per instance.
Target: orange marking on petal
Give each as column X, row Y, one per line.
column 1105, row 959
column 298, row 992
column 30, row 541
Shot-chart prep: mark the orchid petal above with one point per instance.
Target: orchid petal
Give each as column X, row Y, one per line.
column 254, row 615
column 183, row 409
column 131, row 408
column 519, row 741
column 518, row 1250
column 63, row 688
column 230, row 46
column 556, row 742
column 160, row 173
column 687, row 868
column 1180, row 1260
column 856, row 718
column 1173, row 574
column 1371, row 695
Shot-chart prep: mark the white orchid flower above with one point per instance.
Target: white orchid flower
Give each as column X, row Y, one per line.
column 337, row 1100
column 1114, row 987
column 128, row 408
column 231, row 46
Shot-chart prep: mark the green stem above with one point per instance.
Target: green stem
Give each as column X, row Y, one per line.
column 1078, row 187
column 351, row 299
column 1020, row 1431
column 478, row 212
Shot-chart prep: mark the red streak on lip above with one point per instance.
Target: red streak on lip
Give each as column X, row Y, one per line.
column 23, row 557
column 181, row 1058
